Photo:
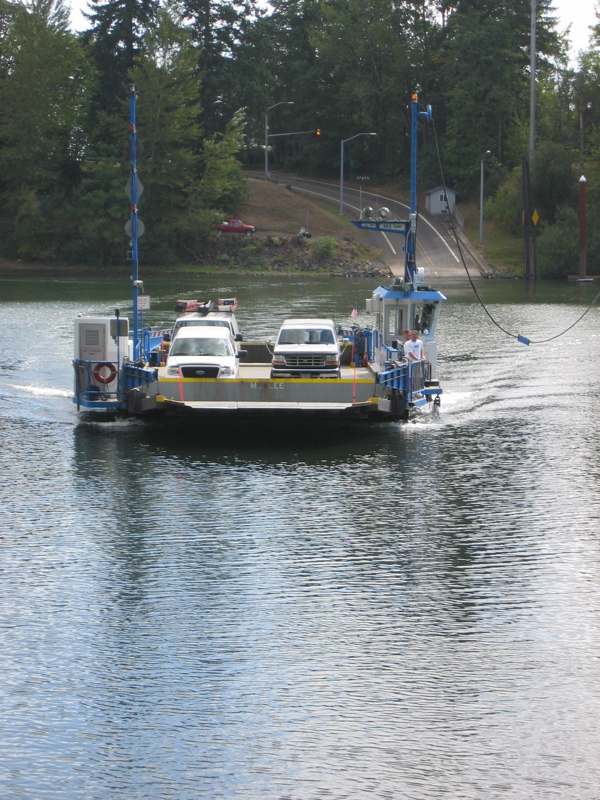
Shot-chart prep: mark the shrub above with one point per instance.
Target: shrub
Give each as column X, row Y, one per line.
column 325, row 247
column 558, row 246
column 506, row 205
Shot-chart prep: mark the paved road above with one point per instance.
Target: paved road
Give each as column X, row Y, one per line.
column 437, row 249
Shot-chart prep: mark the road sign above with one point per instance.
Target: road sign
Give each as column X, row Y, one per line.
column 141, row 228
column 396, row 226
column 138, row 185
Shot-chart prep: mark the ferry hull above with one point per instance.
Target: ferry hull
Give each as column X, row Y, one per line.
column 255, row 396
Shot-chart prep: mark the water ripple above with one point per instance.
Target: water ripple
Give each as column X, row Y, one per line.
column 413, row 614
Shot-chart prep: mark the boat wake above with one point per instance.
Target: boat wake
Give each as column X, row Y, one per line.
column 42, row 391
column 109, row 422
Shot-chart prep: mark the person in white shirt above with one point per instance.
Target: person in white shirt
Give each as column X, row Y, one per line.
column 414, row 348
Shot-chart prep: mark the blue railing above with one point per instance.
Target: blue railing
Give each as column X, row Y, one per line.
column 407, row 377
column 416, row 376
column 395, row 378
column 134, row 376
column 92, row 392
column 152, row 339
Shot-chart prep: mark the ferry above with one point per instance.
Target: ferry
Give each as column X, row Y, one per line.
column 366, row 374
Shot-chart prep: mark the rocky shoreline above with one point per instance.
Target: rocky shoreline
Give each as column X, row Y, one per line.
column 280, row 254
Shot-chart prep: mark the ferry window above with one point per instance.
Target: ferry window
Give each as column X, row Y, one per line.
column 424, row 316
column 394, row 323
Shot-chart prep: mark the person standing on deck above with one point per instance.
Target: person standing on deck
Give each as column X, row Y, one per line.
column 414, row 348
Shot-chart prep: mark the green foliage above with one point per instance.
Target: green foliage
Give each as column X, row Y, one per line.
column 42, row 96
column 348, row 67
column 28, row 226
column 325, row 247
column 506, row 206
column 484, row 65
column 558, row 248
column 100, row 214
column 553, row 181
column 370, row 60
column 252, row 246
column 219, row 29
column 223, row 186
column 114, row 41
column 166, row 115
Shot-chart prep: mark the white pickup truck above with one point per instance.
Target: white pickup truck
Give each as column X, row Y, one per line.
column 306, row 348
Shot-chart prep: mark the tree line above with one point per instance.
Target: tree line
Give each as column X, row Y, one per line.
column 208, row 72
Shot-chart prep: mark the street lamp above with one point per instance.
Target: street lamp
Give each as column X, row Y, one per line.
column 487, row 153
column 342, row 167
column 283, row 103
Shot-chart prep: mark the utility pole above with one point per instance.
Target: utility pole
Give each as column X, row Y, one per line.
column 487, row 153
column 533, row 46
column 528, row 217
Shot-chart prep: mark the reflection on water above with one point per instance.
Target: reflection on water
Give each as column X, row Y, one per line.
column 410, row 613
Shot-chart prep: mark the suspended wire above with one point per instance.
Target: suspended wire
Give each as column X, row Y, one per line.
column 518, row 336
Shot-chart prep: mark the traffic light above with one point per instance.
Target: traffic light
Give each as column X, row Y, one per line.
column 318, row 132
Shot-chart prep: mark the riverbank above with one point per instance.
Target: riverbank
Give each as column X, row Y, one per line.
column 335, row 247
column 272, row 254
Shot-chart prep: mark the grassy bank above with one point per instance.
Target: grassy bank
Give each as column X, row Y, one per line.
column 503, row 252
column 274, row 209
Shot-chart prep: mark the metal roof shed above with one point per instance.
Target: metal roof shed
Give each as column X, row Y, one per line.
column 440, row 200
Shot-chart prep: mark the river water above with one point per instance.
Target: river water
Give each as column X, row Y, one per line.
column 411, row 613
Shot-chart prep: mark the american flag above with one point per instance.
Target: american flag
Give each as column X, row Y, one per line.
column 354, row 312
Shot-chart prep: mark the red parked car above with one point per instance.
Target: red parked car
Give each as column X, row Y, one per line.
column 234, row 226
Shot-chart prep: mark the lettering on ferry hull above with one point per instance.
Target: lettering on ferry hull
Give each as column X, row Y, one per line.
column 254, row 385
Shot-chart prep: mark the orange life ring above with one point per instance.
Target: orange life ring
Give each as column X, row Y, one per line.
column 99, row 374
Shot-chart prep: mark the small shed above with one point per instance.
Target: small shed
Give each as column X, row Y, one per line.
column 440, row 201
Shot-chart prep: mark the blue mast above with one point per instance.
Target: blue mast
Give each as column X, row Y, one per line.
column 411, row 236
column 134, row 219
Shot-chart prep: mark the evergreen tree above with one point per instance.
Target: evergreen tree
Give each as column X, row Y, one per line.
column 364, row 60
column 255, row 83
column 485, row 74
column 218, row 27
column 115, row 39
column 167, row 114
column 42, row 95
column 223, row 186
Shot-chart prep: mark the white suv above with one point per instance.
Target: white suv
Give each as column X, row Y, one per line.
column 306, row 348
